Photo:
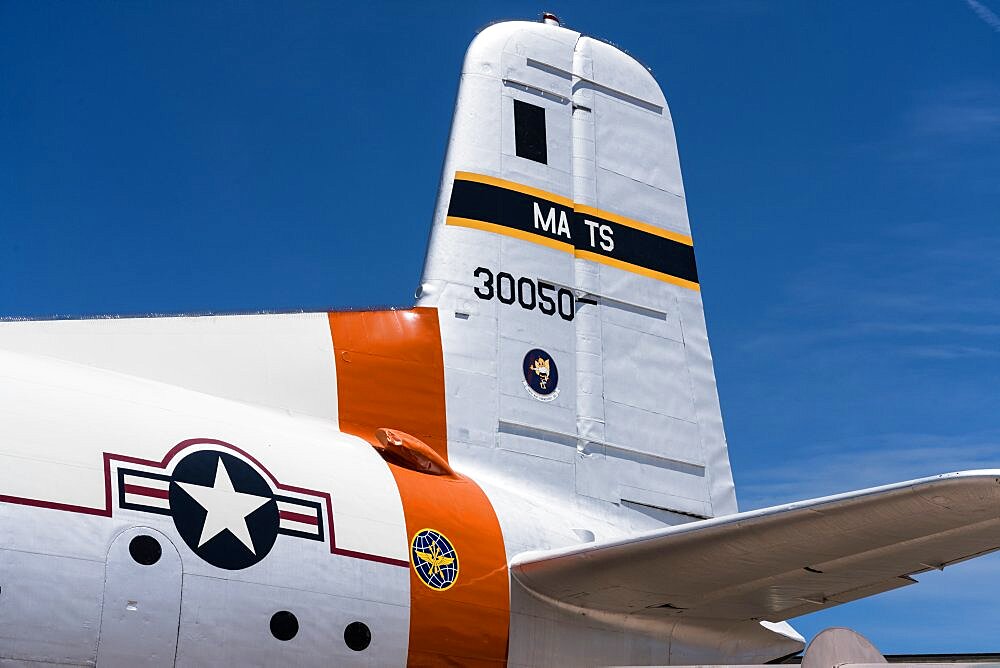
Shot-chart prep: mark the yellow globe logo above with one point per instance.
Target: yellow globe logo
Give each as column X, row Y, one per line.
column 434, row 559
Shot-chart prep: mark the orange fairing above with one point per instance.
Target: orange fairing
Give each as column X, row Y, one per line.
column 402, row 449
column 390, row 374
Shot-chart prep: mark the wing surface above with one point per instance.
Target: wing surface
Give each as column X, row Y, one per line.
column 781, row 562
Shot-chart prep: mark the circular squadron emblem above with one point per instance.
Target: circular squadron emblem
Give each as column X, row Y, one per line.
column 434, row 559
column 223, row 509
column 541, row 375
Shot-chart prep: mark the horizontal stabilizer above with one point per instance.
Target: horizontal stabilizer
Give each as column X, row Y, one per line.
column 781, row 562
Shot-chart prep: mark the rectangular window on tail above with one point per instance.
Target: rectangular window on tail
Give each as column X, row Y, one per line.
column 529, row 132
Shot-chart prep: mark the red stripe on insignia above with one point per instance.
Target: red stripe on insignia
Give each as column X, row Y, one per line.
column 147, row 491
column 298, row 517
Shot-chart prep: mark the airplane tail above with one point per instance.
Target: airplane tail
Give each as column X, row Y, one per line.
column 563, row 268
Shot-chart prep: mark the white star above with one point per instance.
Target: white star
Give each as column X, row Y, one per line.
column 226, row 508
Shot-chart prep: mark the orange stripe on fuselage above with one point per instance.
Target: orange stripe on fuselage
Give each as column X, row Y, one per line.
column 390, row 373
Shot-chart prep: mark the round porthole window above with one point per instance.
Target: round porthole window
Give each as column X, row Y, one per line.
column 284, row 625
column 358, row 636
column 145, row 550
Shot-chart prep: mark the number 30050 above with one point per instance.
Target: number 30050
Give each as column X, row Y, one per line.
column 527, row 292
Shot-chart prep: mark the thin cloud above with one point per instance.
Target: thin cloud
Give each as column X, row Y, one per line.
column 933, row 328
column 950, row 352
column 947, row 134
column 965, row 112
column 846, row 465
column 930, row 300
column 988, row 16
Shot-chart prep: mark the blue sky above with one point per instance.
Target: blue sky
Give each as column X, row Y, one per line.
column 841, row 162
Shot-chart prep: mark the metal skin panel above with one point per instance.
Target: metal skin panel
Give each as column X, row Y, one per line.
column 277, row 360
column 635, row 125
column 662, row 387
column 225, row 623
column 142, row 604
column 51, row 604
column 552, row 634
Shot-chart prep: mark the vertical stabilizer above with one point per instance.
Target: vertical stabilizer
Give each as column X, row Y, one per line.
column 562, row 264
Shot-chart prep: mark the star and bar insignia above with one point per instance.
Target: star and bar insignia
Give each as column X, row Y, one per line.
column 222, row 507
